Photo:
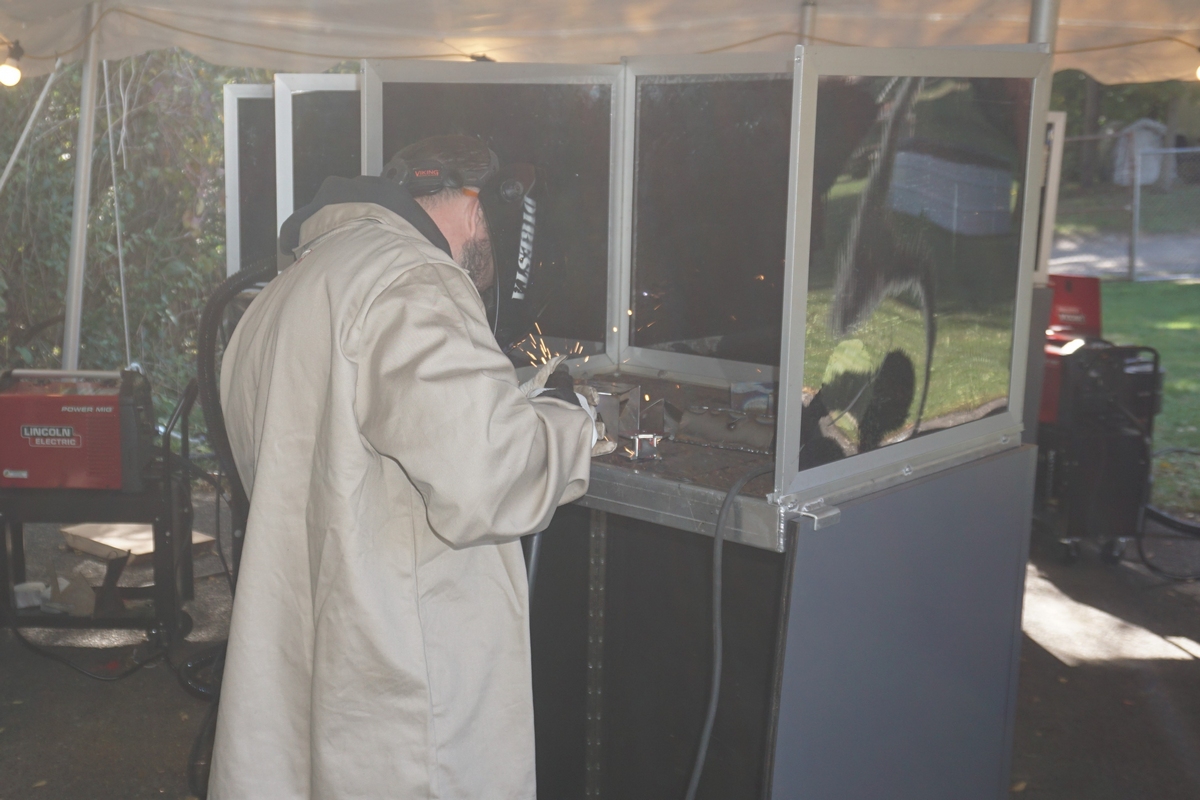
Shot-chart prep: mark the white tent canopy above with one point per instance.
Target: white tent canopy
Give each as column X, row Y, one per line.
column 1116, row 41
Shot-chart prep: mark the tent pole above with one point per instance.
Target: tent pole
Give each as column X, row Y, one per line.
column 1043, row 22
column 77, row 260
column 808, row 21
column 1043, row 29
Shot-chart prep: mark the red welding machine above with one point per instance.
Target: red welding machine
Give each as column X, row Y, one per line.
column 1074, row 316
column 75, row 430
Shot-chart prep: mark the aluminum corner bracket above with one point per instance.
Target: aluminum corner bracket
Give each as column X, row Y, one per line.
column 822, row 514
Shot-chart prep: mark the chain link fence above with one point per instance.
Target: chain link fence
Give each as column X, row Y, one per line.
column 1128, row 209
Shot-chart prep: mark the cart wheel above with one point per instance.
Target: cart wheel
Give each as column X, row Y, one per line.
column 159, row 636
column 1068, row 552
column 1112, row 550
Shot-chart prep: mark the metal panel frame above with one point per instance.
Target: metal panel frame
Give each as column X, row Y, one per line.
column 286, row 85
column 906, row 460
column 645, row 360
column 1056, row 130
column 375, row 74
column 233, row 181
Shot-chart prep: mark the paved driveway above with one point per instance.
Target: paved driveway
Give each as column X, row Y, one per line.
column 1160, row 256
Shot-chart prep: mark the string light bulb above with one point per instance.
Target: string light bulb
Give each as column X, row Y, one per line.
column 10, row 70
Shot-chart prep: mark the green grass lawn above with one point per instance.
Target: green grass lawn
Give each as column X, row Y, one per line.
column 1105, row 209
column 1166, row 316
column 970, row 360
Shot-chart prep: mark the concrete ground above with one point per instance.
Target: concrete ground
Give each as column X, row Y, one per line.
column 1161, row 256
column 64, row 736
column 1108, row 705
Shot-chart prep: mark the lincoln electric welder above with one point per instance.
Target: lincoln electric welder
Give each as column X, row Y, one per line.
column 75, row 430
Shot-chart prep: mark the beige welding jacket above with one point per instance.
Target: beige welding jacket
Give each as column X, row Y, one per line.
column 379, row 645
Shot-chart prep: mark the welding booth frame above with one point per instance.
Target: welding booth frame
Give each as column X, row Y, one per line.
column 761, row 522
column 953, row 523
column 804, row 491
column 287, row 85
column 234, row 93
column 376, row 74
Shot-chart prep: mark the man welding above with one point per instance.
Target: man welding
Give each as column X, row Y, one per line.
column 379, row 646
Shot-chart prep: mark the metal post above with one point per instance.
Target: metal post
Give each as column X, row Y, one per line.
column 77, row 260
column 1043, row 22
column 1137, row 207
column 112, row 162
column 808, row 21
column 29, row 123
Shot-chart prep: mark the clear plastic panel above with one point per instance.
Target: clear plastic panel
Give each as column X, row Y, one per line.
column 710, row 214
column 256, row 178
column 916, row 229
column 326, row 140
column 564, row 130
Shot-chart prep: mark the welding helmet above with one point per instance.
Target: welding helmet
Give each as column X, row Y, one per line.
column 510, row 207
column 508, row 199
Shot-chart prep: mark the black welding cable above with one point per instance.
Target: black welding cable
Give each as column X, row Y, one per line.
column 214, row 481
column 1165, row 518
column 717, row 627
column 1157, row 514
column 200, row 757
column 1170, row 521
column 1162, row 572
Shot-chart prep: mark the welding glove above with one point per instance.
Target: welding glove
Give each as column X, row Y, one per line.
column 554, row 380
column 533, row 386
column 602, row 444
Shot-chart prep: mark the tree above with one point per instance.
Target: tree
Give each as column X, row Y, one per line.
column 169, row 139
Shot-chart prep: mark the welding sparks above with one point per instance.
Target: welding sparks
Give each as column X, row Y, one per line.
column 534, row 347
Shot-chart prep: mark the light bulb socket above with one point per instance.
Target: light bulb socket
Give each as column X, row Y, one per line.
column 10, row 68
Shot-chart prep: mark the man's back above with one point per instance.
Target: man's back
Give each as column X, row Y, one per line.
column 380, row 641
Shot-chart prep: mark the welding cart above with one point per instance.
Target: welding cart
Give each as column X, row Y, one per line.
column 79, row 447
column 1096, row 425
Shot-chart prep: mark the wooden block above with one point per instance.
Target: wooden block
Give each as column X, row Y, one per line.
column 113, row 540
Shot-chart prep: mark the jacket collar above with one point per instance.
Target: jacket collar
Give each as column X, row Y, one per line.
column 341, row 200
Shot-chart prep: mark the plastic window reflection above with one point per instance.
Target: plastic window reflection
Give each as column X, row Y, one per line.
column 916, row 228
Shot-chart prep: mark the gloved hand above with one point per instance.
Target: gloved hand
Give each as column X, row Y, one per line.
column 554, row 380
column 602, row 444
column 533, row 386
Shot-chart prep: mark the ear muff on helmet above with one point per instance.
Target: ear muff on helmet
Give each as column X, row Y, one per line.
column 509, row 202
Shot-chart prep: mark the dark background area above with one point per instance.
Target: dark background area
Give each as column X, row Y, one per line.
column 710, row 212
column 326, row 140
column 256, row 178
